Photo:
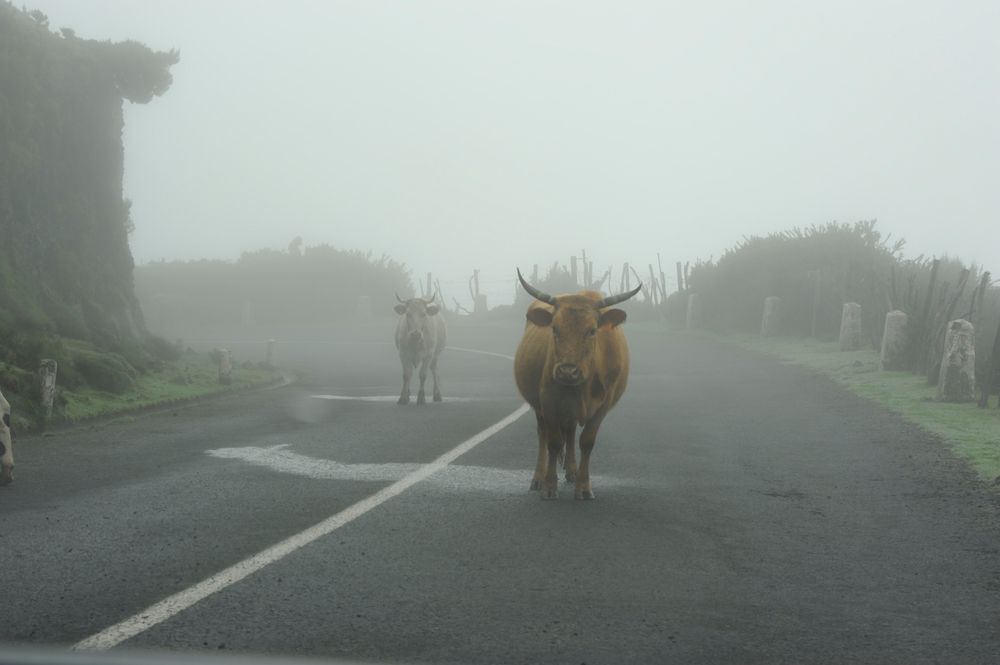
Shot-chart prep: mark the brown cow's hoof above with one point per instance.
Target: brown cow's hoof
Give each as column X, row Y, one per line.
column 535, row 485
column 421, row 399
column 585, row 495
column 403, row 400
column 549, row 495
column 6, row 477
column 438, row 398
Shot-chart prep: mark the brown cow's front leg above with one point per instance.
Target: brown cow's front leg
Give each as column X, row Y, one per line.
column 588, row 437
column 553, row 440
column 543, row 455
column 421, row 398
column 404, row 396
column 569, row 442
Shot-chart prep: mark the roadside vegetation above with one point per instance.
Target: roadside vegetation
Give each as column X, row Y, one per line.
column 973, row 434
column 814, row 272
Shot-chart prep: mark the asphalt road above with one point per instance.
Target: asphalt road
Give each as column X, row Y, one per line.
column 747, row 512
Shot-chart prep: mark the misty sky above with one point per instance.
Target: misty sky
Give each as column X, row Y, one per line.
column 454, row 135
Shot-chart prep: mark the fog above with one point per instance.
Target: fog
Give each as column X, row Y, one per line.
column 459, row 135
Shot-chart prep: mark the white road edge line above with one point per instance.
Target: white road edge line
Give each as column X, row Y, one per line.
column 172, row 605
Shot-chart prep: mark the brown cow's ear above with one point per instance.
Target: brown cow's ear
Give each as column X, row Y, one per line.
column 432, row 310
column 612, row 317
column 540, row 317
column 400, row 309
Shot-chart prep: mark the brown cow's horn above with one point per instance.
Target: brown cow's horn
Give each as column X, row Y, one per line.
column 539, row 295
column 400, row 299
column 620, row 297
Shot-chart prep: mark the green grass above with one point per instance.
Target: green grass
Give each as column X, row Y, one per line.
column 193, row 375
column 973, row 433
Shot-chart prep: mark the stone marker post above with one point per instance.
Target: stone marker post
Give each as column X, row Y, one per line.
column 225, row 367
column 957, row 380
column 850, row 327
column 47, row 375
column 771, row 323
column 693, row 312
column 892, row 356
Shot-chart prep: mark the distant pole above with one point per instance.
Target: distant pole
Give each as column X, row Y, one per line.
column 430, row 288
column 572, row 270
column 680, row 278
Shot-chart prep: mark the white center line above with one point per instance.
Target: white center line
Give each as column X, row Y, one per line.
column 172, row 605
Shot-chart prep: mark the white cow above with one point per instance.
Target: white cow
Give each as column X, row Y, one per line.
column 420, row 338
column 6, row 444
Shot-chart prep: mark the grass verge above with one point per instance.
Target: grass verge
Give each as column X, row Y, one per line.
column 193, row 375
column 971, row 432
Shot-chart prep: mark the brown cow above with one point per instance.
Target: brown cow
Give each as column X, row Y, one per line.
column 572, row 368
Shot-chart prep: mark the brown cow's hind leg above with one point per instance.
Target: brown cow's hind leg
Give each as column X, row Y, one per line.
column 553, row 440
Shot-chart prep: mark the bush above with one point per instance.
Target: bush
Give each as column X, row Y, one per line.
column 105, row 371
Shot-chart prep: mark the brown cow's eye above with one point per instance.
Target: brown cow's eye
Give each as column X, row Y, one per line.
column 593, row 331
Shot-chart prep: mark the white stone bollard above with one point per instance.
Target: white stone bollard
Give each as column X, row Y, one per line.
column 47, row 377
column 770, row 325
column 957, row 381
column 850, row 327
column 892, row 356
column 693, row 312
column 225, row 367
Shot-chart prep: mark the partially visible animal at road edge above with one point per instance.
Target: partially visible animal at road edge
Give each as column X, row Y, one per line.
column 6, row 444
column 421, row 335
column 572, row 368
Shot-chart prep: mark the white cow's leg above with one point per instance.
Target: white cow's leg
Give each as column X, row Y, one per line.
column 404, row 396
column 588, row 437
column 6, row 453
column 434, row 373
column 421, row 399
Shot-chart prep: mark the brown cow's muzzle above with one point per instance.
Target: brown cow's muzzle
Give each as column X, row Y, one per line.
column 567, row 374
